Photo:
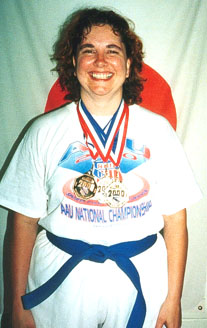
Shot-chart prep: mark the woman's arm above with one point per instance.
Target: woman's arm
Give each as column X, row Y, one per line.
column 23, row 239
column 176, row 239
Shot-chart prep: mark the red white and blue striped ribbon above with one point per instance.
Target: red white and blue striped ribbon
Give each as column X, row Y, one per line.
column 108, row 143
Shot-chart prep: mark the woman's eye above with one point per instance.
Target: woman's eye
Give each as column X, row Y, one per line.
column 88, row 51
column 113, row 52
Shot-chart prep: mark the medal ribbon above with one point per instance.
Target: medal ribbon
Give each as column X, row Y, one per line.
column 110, row 145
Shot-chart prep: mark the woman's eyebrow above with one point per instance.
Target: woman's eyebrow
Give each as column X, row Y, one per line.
column 86, row 45
column 113, row 46
column 90, row 45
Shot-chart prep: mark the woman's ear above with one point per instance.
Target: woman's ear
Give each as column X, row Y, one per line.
column 74, row 64
column 128, row 64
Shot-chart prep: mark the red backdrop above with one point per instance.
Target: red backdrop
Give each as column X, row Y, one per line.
column 156, row 96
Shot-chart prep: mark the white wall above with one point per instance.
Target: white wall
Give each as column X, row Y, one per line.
column 174, row 36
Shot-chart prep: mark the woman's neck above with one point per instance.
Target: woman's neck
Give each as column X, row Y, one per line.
column 100, row 106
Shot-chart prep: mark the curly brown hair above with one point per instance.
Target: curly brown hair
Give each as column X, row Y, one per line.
column 71, row 34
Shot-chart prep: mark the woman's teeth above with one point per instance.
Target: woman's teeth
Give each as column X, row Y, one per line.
column 101, row 76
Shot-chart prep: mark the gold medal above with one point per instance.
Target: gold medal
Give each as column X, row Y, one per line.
column 85, row 186
column 116, row 194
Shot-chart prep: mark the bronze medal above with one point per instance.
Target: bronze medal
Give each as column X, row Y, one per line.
column 85, row 186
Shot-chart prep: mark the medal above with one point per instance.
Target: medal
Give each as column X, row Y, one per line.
column 116, row 194
column 85, row 186
column 108, row 143
column 102, row 185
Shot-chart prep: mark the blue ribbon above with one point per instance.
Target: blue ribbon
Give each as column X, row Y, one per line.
column 119, row 253
column 103, row 137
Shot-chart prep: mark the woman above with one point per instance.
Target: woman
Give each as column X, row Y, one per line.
column 102, row 177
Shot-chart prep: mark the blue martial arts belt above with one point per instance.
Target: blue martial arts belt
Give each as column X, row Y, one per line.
column 119, row 253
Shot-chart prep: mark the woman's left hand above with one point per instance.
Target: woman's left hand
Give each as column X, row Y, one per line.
column 169, row 315
column 176, row 239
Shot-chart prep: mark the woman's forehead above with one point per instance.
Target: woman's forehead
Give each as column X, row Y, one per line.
column 102, row 33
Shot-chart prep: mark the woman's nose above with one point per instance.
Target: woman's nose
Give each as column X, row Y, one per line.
column 100, row 60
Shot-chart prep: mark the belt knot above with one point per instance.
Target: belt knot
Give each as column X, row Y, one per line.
column 98, row 253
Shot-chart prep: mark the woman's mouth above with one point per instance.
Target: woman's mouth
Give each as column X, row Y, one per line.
column 101, row 76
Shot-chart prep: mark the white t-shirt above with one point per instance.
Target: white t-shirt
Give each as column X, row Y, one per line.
column 39, row 180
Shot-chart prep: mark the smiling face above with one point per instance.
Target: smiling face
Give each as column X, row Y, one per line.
column 101, row 64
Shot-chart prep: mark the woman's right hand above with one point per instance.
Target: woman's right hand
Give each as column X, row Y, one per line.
column 24, row 232
column 23, row 319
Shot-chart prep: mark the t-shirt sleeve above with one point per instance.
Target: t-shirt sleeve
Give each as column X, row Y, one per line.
column 176, row 184
column 22, row 188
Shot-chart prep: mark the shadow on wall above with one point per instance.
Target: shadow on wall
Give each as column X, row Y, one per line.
column 6, row 317
column 15, row 145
